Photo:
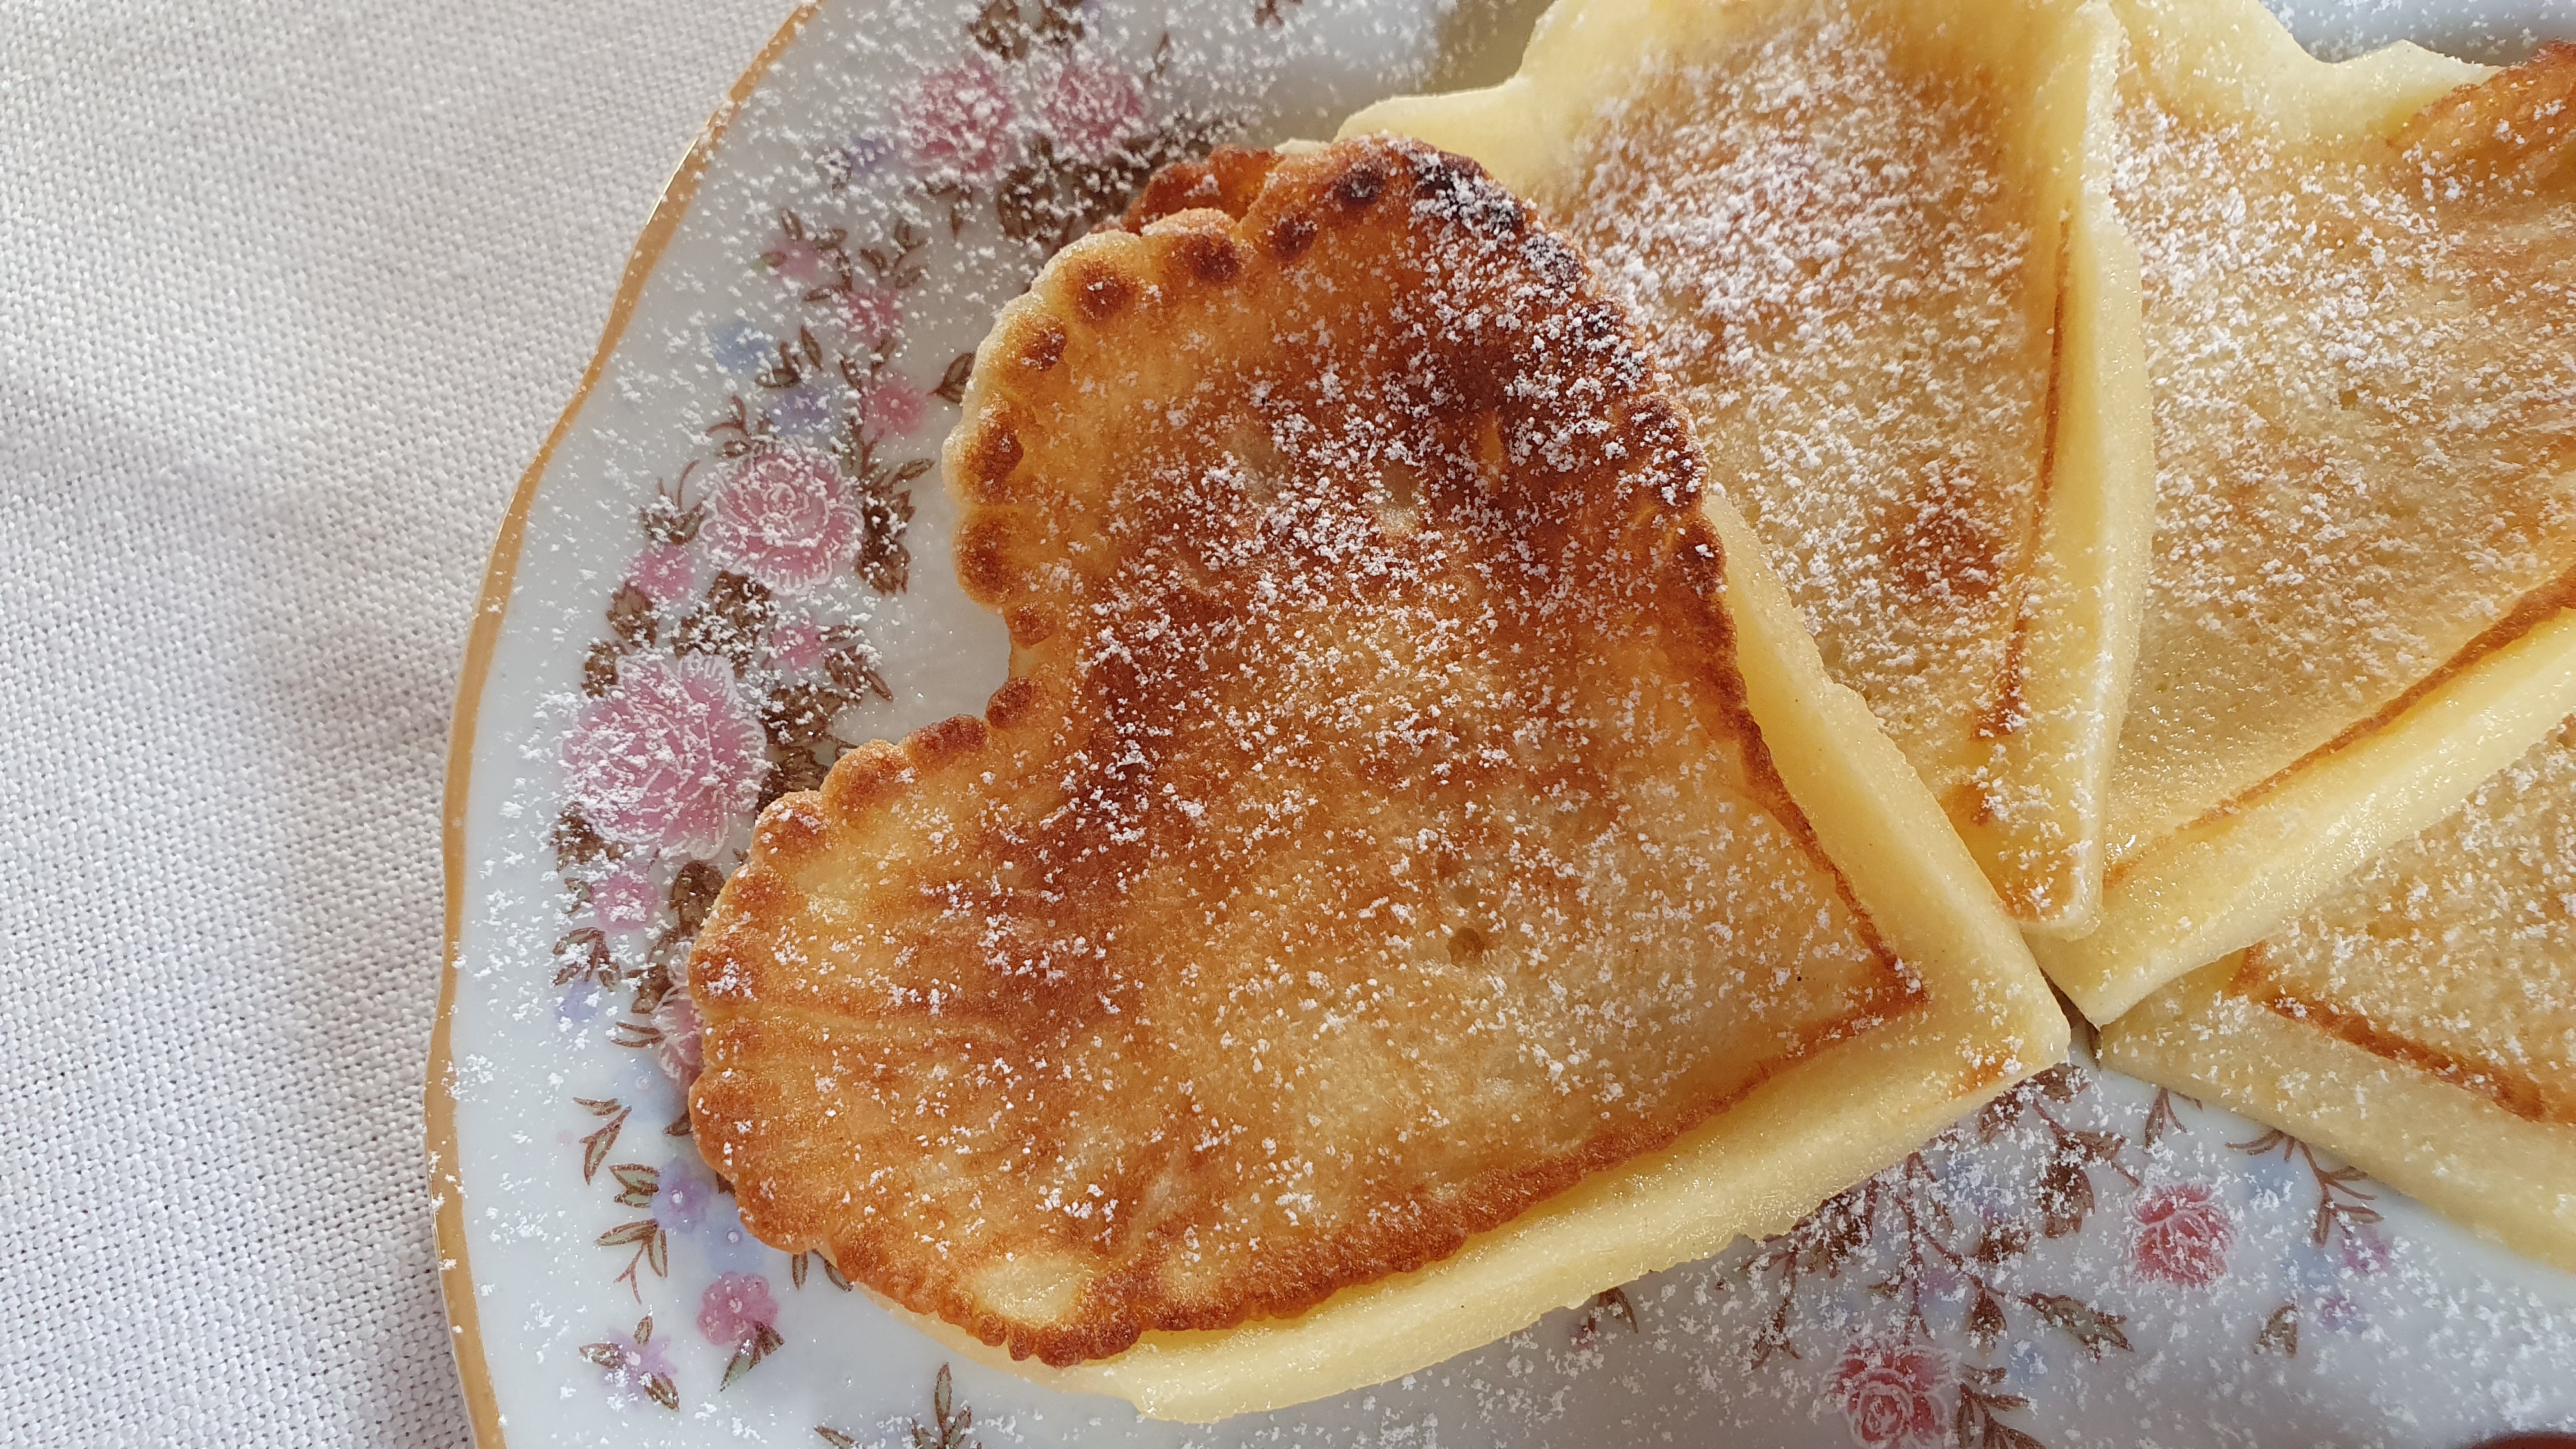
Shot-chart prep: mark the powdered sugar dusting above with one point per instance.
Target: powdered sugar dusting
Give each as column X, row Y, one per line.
column 2363, row 371
column 1383, row 846
column 2459, row 947
column 2430, row 1340
column 1824, row 252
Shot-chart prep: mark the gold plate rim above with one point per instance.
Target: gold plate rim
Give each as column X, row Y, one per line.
column 500, row 573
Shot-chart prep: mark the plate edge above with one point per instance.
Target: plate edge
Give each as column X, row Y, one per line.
column 455, row 1271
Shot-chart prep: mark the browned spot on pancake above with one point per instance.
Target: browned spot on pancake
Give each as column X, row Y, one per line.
column 1211, row 256
column 1387, row 728
column 1942, row 546
column 952, row 738
column 759, row 891
column 983, row 560
column 2514, row 128
column 1182, row 186
column 1011, row 704
column 1032, row 626
column 1044, row 346
column 1240, row 175
column 1360, row 184
column 1290, row 236
column 2511, row 1090
column 1100, row 293
column 2024, row 897
column 2008, row 711
column 1971, row 800
column 866, row 776
column 992, row 451
column 1457, row 184
column 1227, row 181
column 792, row 829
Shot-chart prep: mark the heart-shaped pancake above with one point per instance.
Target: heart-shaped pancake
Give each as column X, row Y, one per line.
column 1372, row 841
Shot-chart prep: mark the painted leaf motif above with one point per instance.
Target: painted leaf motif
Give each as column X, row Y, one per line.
column 2096, row 1330
column 595, row 1147
column 2280, row 1332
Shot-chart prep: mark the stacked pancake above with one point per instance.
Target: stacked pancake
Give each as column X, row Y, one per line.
column 2352, row 788
column 1871, row 243
column 2340, row 298
column 1543, row 704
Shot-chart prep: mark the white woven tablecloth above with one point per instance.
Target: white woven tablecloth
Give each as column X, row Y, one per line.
column 288, row 296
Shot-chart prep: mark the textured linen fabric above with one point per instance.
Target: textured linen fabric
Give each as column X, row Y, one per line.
column 289, row 295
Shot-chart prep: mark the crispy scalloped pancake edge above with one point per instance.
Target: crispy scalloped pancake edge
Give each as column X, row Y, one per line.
column 2079, row 644
column 2509, row 1179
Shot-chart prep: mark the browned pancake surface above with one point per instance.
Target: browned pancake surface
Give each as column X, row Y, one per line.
column 1371, row 841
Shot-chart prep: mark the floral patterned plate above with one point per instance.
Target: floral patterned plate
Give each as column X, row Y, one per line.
column 733, row 549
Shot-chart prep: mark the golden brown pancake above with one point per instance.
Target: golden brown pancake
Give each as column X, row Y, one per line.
column 1870, row 242
column 2419, row 1018
column 1375, row 904
column 2360, row 288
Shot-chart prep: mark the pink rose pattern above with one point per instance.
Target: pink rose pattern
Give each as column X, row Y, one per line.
column 624, row 900
column 728, row 661
column 665, row 573
column 735, row 1309
column 1089, row 109
column 893, row 408
column 1886, row 1392
column 668, row 758
column 784, row 517
column 2182, row 1235
column 797, row 648
column 873, row 314
column 959, row 123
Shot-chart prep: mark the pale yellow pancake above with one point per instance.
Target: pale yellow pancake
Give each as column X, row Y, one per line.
column 1871, row 243
column 2419, row 1018
column 1417, row 874
column 2360, row 285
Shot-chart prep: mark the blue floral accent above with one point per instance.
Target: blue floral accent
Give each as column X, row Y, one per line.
column 688, row 1195
column 807, row 412
column 862, row 156
column 739, row 346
